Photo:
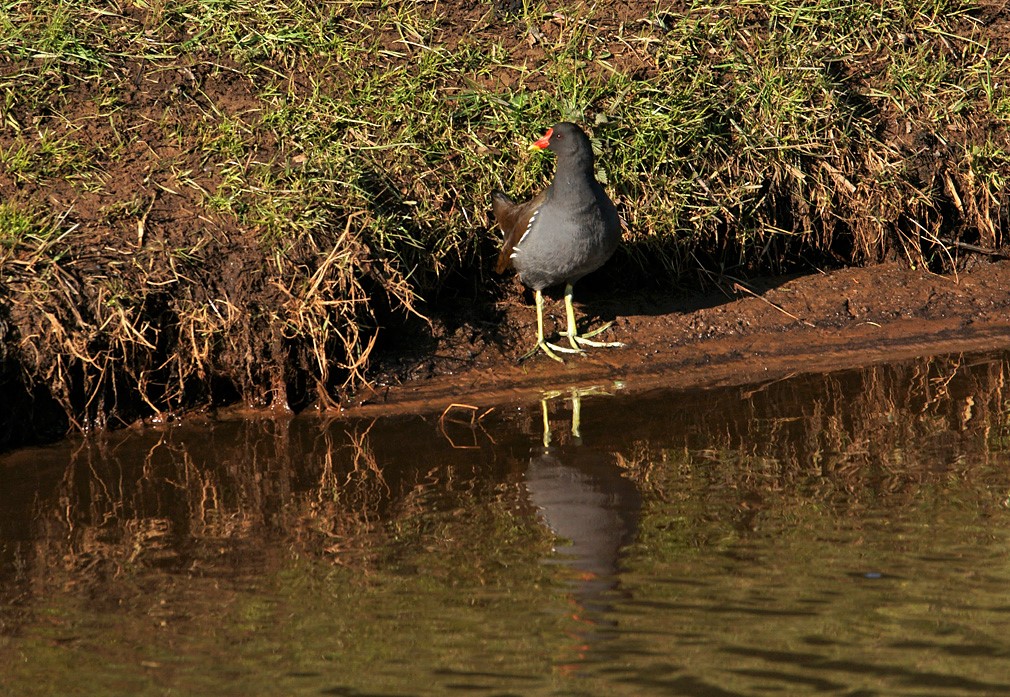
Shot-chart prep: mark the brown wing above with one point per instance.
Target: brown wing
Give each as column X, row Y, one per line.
column 512, row 218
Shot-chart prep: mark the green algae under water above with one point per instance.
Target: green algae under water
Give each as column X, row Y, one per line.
column 836, row 534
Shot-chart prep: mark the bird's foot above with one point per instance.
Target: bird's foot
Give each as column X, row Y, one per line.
column 549, row 349
column 579, row 340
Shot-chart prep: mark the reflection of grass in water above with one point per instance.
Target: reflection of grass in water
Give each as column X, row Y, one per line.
column 795, row 457
column 768, row 535
column 879, row 431
column 887, row 434
column 210, row 576
column 463, row 592
column 763, row 508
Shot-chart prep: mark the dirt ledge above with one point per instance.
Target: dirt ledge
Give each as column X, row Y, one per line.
column 774, row 328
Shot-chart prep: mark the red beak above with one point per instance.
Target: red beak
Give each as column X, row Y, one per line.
column 545, row 141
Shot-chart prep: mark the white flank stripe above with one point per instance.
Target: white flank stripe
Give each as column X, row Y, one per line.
column 529, row 226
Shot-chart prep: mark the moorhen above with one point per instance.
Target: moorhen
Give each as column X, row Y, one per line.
column 568, row 230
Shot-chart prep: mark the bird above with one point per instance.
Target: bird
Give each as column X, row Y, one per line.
column 568, row 230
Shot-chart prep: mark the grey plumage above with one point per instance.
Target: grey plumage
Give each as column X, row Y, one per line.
column 568, row 230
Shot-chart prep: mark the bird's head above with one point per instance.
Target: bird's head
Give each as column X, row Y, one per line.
column 563, row 138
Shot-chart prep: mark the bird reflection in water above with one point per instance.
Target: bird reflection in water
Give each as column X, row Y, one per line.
column 582, row 495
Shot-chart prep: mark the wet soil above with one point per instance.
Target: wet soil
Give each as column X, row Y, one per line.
column 765, row 329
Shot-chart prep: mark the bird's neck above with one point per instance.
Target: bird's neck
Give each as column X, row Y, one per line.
column 573, row 175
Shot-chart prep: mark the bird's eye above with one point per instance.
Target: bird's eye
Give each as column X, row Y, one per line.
column 558, row 136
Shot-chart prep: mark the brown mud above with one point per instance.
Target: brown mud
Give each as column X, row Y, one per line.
column 763, row 330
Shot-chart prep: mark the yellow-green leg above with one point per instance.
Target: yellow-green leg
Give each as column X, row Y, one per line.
column 577, row 340
column 576, row 415
column 542, row 344
column 547, row 424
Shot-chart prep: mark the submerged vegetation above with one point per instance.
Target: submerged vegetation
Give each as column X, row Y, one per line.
column 211, row 200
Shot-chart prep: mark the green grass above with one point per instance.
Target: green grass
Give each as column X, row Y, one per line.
column 345, row 150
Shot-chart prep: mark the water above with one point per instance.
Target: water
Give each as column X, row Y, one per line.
column 833, row 534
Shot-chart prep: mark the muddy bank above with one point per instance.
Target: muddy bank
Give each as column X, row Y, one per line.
column 739, row 332
column 765, row 329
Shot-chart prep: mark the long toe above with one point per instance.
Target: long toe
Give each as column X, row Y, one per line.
column 586, row 335
column 565, row 349
column 583, row 341
column 549, row 350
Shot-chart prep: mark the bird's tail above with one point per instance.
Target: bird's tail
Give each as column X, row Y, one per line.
column 498, row 197
column 500, row 203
